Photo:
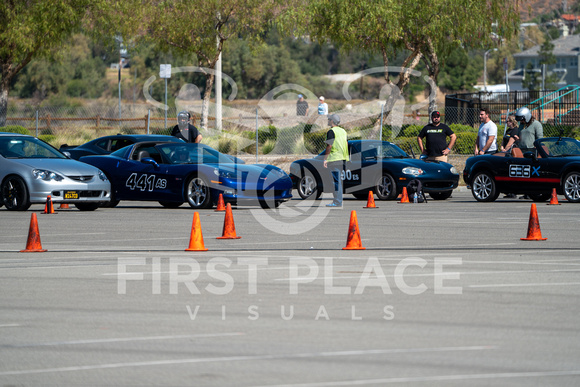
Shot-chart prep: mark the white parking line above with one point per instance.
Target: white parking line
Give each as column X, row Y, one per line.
column 525, row 285
column 246, row 358
column 124, row 340
column 367, row 382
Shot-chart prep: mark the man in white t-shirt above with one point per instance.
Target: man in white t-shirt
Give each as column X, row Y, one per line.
column 485, row 143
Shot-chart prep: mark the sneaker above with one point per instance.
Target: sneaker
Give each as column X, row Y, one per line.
column 524, row 197
column 334, row 205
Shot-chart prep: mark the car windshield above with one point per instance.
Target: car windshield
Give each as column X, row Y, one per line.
column 177, row 153
column 24, row 147
column 561, row 147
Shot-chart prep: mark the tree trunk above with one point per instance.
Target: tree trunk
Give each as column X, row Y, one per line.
column 3, row 101
column 209, row 78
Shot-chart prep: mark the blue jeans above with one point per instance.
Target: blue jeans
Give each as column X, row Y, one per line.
column 336, row 168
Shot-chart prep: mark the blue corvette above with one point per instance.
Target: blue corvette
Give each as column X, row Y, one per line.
column 173, row 173
column 374, row 165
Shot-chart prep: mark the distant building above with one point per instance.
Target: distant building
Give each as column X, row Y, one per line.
column 566, row 50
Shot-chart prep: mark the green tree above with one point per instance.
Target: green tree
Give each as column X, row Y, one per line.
column 37, row 28
column 201, row 28
column 530, row 81
column 460, row 71
column 547, row 57
column 426, row 30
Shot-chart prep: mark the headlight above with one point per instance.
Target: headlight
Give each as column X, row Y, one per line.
column 102, row 176
column 278, row 173
column 454, row 171
column 413, row 171
column 226, row 174
column 43, row 174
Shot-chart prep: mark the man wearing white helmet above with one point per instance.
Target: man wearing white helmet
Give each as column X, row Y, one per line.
column 529, row 131
column 336, row 156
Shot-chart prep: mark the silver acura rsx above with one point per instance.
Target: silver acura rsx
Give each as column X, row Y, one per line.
column 31, row 169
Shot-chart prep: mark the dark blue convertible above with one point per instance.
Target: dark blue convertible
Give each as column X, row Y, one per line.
column 174, row 173
column 374, row 165
column 555, row 163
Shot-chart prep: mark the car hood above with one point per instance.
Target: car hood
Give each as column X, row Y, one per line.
column 63, row 166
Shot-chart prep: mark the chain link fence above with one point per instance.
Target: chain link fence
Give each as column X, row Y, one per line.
column 264, row 131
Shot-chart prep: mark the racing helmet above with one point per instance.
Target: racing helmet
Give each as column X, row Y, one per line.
column 183, row 116
column 334, row 119
column 523, row 114
column 180, row 154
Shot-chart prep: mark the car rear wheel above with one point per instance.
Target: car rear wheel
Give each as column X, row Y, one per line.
column 198, row 193
column 308, row 187
column 572, row 187
column 440, row 195
column 87, row 206
column 15, row 194
column 171, row 204
column 484, row 188
column 385, row 187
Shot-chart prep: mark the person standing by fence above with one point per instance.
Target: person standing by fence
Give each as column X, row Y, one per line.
column 485, row 142
column 436, row 133
column 184, row 129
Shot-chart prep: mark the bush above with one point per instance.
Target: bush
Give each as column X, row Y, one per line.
column 314, row 142
column 459, row 128
column 410, row 130
column 15, row 129
column 465, row 143
column 49, row 138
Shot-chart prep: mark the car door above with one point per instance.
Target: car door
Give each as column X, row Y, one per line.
column 143, row 176
column 527, row 174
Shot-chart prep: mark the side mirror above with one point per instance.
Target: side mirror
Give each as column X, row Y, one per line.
column 149, row 160
column 530, row 155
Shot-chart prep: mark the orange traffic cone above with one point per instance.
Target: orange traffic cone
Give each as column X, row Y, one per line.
column 554, row 199
column 33, row 244
column 371, row 201
column 48, row 207
column 220, row 204
column 405, row 198
column 196, row 238
column 353, row 241
column 63, row 206
column 229, row 231
column 534, row 232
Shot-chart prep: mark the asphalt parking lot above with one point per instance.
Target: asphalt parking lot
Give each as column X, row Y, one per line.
column 444, row 294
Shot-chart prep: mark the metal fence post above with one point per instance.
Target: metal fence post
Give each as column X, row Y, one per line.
column 37, row 123
column 148, row 119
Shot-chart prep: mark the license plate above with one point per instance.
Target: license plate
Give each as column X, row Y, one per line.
column 71, row 195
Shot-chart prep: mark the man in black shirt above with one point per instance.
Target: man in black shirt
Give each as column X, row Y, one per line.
column 301, row 106
column 436, row 134
column 184, row 129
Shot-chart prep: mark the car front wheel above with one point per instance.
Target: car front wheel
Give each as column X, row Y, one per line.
column 385, row 187
column 15, row 194
column 198, row 193
column 572, row 187
column 308, row 187
column 484, row 188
